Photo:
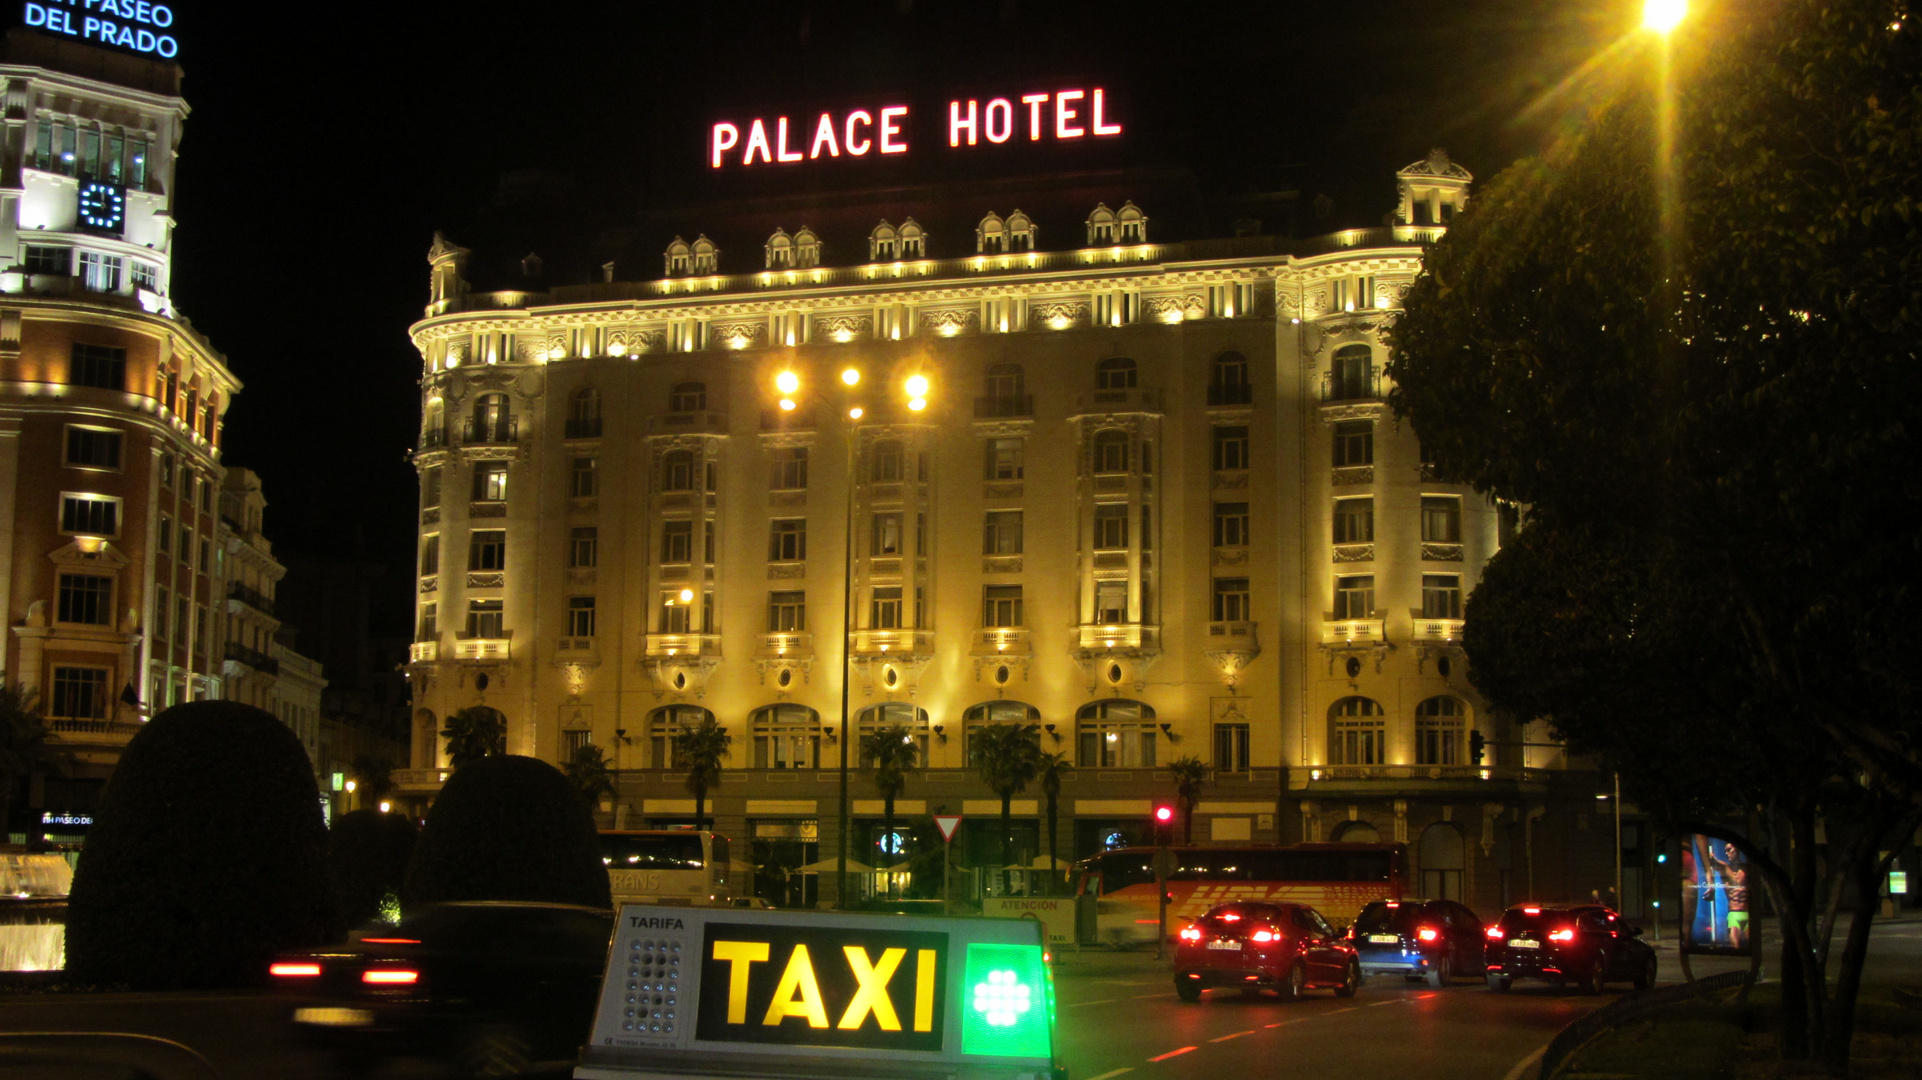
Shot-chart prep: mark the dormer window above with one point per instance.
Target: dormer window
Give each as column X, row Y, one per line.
column 913, row 240
column 807, row 249
column 1131, row 224
column 991, row 236
column 1432, row 190
column 780, row 250
column 1021, row 230
column 883, row 243
column 707, row 257
column 1101, row 226
column 680, row 258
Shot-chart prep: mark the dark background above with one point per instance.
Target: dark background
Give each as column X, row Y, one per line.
column 328, row 142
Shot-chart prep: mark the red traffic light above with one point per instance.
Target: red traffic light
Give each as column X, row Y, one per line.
column 1164, row 814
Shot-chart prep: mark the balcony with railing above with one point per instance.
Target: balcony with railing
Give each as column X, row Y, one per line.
column 583, row 427
column 1003, row 641
column 1355, row 383
column 1239, row 636
column 1134, row 399
column 1117, row 637
column 1231, row 394
column 253, row 598
column 253, row 658
column 1004, row 406
column 423, row 652
column 1437, row 631
column 476, row 431
column 789, row 643
column 90, row 731
column 1369, row 631
column 433, row 438
column 892, row 642
column 678, row 645
column 483, row 648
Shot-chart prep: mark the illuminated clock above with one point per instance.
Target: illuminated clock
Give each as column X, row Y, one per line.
column 102, row 207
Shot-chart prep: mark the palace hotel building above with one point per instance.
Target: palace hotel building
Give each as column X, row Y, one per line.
column 1152, row 499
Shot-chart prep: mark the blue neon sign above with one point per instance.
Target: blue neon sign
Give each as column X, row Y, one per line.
column 136, row 25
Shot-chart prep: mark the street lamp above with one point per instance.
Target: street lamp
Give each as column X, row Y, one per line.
column 1662, row 16
column 788, row 383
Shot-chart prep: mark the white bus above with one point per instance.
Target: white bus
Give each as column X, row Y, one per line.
column 682, row 866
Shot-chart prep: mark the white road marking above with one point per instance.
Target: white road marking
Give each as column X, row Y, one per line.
column 1111, row 1074
column 1521, row 1067
column 1392, row 1001
column 1338, row 1012
column 1103, row 1001
column 1138, row 997
column 1236, row 1035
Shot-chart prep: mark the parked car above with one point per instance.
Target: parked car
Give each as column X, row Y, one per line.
column 489, row 987
column 1434, row 940
column 1253, row 947
column 1584, row 944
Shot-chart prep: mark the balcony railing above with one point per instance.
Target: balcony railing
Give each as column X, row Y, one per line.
column 1222, row 633
column 423, row 652
column 683, row 644
column 1098, row 637
column 91, row 730
column 1133, row 400
column 482, row 432
column 253, row 658
column 584, row 427
column 1356, row 631
column 1003, row 641
column 1352, row 384
column 1231, row 394
column 1339, row 773
column 434, row 438
column 989, row 408
column 253, row 598
column 787, row 643
column 882, row 642
column 479, row 648
column 1437, row 630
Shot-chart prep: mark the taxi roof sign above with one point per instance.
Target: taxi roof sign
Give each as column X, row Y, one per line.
column 722, row 991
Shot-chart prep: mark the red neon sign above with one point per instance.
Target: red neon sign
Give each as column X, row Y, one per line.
column 1060, row 115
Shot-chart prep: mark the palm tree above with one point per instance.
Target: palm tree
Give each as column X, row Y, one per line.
column 1050, row 767
column 1191, row 775
column 700, row 749
column 1007, row 757
column 893, row 753
column 473, row 733
column 588, row 770
column 24, row 746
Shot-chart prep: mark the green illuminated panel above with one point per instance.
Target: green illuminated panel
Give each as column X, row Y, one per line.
column 1007, row 1003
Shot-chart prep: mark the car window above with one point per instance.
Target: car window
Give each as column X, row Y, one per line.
column 1593, row 921
column 1466, row 918
column 1321, row 924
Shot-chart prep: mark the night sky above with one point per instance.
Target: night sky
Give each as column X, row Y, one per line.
column 327, row 143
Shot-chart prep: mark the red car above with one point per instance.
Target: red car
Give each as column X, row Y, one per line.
column 1288, row 948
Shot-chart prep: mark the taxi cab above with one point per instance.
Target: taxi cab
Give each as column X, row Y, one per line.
column 1288, row 948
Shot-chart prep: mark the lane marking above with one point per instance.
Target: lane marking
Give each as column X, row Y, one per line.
column 1425, row 997
column 1338, row 1012
column 1185, row 1049
column 1236, row 1035
column 1521, row 1067
column 1103, row 1001
column 1279, row 1023
column 1390, row 1001
column 1138, row 997
column 1112, row 1073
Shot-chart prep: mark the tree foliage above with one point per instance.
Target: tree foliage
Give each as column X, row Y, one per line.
column 474, row 733
column 1694, row 363
column 1190, row 775
column 1051, row 768
column 588, row 769
column 367, row 857
column 25, row 746
column 508, row 828
column 207, row 855
column 892, row 753
column 700, row 749
column 1008, row 757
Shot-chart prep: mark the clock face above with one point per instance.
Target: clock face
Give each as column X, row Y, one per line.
column 103, row 207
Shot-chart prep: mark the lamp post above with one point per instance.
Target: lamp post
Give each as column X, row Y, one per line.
column 915, row 387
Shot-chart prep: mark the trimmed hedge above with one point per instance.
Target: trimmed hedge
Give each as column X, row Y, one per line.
column 367, row 856
column 207, row 855
column 508, row 828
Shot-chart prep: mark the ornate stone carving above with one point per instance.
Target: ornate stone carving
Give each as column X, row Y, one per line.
column 843, row 327
column 1358, row 474
column 781, row 571
column 950, row 321
column 430, row 584
column 1188, row 306
column 1001, row 564
column 1058, row 311
column 486, row 581
column 741, row 335
column 1003, row 491
column 580, row 575
column 1441, row 552
column 1230, row 556
column 1354, row 552
column 1230, row 481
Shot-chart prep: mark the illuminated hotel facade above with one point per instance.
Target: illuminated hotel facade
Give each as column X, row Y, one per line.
column 1155, row 502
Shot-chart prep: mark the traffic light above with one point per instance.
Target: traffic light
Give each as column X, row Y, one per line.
column 1164, row 817
column 1476, row 744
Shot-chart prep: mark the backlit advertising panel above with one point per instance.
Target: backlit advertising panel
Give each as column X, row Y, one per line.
column 1715, row 897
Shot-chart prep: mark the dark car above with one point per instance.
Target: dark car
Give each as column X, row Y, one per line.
column 1584, row 944
column 486, row 986
column 1434, row 940
column 1253, row 947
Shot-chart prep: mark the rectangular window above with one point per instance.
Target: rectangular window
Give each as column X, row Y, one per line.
column 1110, row 601
column 146, row 276
column 91, row 515
column 485, row 620
column 677, row 541
column 888, row 462
column 885, row 610
column 580, row 616
column 85, row 598
column 79, row 693
column 787, row 612
column 1355, row 597
column 584, row 478
column 164, row 536
column 104, row 366
column 1006, row 459
column 206, row 557
column 1441, row 596
column 583, row 547
column 137, row 163
column 1441, row 519
column 100, row 273
column 490, row 481
column 1354, row 443
column 1003, row 533
column 1231, row 524
column 430, row 488
column 1231, row 748
column 430, row 554
column 887, row 534
column 93, row 448
column 487, row 550
column 160, row 610
column 1231, row 600
column 1001, row 605
column 788, row 540
column 790, row 471
column 429, row 622
column 677, row 617
column 1111, row 526
column 1147, row 530
column 166, row 470
column 49, row 260
column 1355, row 521
column 1230, row 446
column 200, row 629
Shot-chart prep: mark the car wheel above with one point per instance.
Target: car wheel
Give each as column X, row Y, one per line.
column 1647, row 978
column 494, row 1049
column 1295, row 984
column 1597, row 978
column 1501, row 983
column 1350, row 984
column 1187, row 990
column 1439, row 975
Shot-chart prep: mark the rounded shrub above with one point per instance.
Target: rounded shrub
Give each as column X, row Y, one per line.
column 207, row 855
column 508, row 828
column 367, row 856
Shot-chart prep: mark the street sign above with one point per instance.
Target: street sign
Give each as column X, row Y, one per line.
column 947, row 823
column 745, row 993
column 1166, row 863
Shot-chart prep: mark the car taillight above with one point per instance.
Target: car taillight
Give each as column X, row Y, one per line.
column 389, row 941
column 1561, row 935
column 1229, row 916
column 390, row 976
column 1264, row 936
column 1190, row 934
column 1531, row 911
column 1427, row 933
column 293, row 971
column 1494, row 933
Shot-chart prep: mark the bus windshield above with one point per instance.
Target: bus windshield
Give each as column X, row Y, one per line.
column 652, row 851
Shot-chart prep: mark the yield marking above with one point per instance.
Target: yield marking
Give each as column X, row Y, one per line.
column 1174, row 1053
column 1112, row 1073
column 1236, row 1035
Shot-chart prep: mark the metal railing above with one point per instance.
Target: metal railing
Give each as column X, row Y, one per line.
column 253, row 598
column 1352, row 385
column 1623, row 1010
column 433, row 438
column 503, row 430
column 583, row 427
column 988, row 408
column 1231, row 394
column 253, row 658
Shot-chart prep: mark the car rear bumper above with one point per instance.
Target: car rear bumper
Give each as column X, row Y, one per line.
column 1388, row 960
column 1544, row 966
column 1226, row 976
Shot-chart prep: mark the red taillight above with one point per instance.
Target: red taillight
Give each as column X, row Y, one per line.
column 1229, row 916
column 389, row 941
column 1264, row 936
column 294, row 971
column 1531, row 911
column 1561, row 935
column 1190, row 934
column 1427, row 933
column 1494, row 933
column 390, row 977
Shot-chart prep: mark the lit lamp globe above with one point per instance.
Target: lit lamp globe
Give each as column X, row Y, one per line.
column 1661, row 16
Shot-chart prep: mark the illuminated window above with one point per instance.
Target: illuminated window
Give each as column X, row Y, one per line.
column 790, row 469
column 884, row 611
column 1441, row 596
column 1111, row 451
column 1001, row 606
column 1439, row 725
column 994, row 712
column 487, row 550
column 584, row 477
column 1359, row 732
column 1441, row 519
column 490, row 481
column 429, row 629
column 79, row 693
column 889, row 714
column 104, row 366
column 1005, row 459
column 85, row 598
column 1355, row 597
column 1116, row 734
column 1354, row 443
column 1231, row 524
column 1354, row 521
column 786, row 736
column 100, row 273
column 575, row 740
column 787, row 612
column 146, row 276
column 93, row 448
column 1231, row 600
column 886, row 539
column 1003, row 533
column 788, row 540
column 583, row 547
column 664, row 724
column 1115, row 373
column 580, row 616
column 493, row 420
column 1110, row 602
column 1230, row 446
column 485, row 620
column 90, row 515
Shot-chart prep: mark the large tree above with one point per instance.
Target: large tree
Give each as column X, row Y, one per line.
column 1190, row 775
column 474, row 733
column 892, row 753
column 25, row 745
column 1008, row 757
column 1685, row 342
column 1050, row 768
column 700, row 749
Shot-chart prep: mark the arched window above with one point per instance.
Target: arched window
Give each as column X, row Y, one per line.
column 1439, row 723
column 1352, row 374
column 1021, row 232
column 1133, row 223
column 887, row 714
column 887, row 461
column 1111, row 451
column 687, row 397
column 780, row 250
column 436, row 424
column 677, row 470
column 807, row 249
column 1359, row 732
column 679, row 258
column 786, row 736
column 881, row 246
column 584, row 414
column 994, row 712
column 914, row 240
column 1441, row 858
column 991, row 236
column 1101, row 228
column 663, row 724
column 1116, row 734
column 1115, row 373
column 707, row 257
column 1356, row 832
column 1006, row 390
column 493, row 420
column 1229, row 382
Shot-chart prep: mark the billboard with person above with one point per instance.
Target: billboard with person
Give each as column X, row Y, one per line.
column 1715, row 897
